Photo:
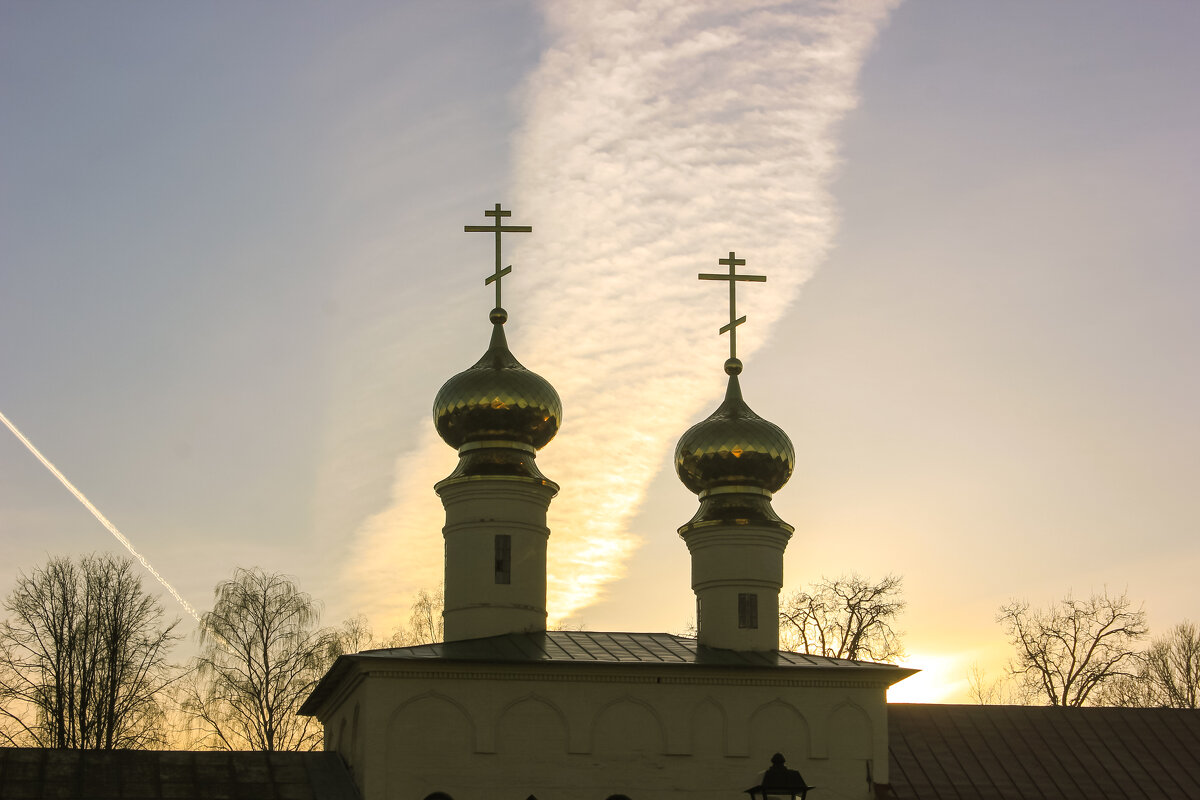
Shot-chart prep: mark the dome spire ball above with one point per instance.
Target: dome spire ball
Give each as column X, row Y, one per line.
column 734, row 460
column 497, row 412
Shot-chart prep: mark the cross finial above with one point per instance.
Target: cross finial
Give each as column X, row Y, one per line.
column 497, row 229
column 733, row 262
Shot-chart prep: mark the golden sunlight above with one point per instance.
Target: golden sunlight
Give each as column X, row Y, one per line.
column 942, row 679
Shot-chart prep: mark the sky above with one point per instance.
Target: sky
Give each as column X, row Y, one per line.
column 233, row 275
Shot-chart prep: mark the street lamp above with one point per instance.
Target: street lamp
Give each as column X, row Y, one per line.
column 779, row 782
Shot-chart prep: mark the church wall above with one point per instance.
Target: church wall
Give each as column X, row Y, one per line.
column 561, row 731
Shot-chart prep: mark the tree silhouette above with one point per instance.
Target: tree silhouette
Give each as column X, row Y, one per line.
column 262, row 655
column 848, row 617
column 83, row 658
column 1069, row 650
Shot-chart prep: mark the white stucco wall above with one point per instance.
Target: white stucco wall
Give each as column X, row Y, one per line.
column 557, row 731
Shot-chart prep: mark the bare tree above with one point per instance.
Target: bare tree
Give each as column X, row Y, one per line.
column 982, row 691
column 1128, row 691
column 83, row 658
column 1173, row 667
column 1075, row 647
column 849, row 617
column 1168, row 675
column 353, row 636
column 1001, row 691
column 424, row 621
column 261, row 655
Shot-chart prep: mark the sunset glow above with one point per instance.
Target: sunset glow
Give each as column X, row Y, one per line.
column 942, row 679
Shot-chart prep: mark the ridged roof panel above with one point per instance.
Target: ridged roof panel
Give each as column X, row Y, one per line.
column 947, row 752
column 600, row 647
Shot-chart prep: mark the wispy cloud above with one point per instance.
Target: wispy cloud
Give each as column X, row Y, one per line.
column 658, row 136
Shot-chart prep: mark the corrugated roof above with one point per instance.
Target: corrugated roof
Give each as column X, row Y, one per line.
column 34, row 773
column 599, row 647
column 954, row 752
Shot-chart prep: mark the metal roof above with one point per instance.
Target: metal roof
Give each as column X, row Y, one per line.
column 597, row 647
column 949, row 752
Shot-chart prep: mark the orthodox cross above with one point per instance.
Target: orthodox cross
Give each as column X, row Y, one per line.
column 733, row 262
column 497, row 229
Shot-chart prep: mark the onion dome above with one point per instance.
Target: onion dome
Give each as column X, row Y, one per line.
column 497, row 401
column 735, row 461
column 734, row 447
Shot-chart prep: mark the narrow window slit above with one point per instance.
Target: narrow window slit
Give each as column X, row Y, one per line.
column 747, row 610
column 503, row 558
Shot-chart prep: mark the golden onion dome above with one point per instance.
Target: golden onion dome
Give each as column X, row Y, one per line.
column 497, row 399
column 734, row 447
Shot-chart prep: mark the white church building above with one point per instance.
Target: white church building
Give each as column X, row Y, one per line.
column 506, row 709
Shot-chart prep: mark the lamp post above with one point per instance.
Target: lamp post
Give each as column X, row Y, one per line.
column 779, row 782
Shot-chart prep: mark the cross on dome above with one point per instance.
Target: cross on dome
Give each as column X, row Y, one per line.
column 498, row 229
column 733, row 262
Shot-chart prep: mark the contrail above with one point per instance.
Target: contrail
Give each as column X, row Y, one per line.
column 656, row 136
column 100, row 517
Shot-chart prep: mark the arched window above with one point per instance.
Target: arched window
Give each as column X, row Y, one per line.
column 617, row 797
column 439, row 796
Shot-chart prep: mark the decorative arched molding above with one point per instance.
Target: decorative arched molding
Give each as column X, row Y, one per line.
column 438, row 796
column 426, row 735
column 535, row 698
column 629, row 700
column 695, row 726
column 531, row 700
column 355, row 748
column 341, row 737
column 794, row 739
column 847, row 703
column 850, row 731
column 438, row 697
column 782, row 704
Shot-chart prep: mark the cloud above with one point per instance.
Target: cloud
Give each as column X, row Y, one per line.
column 657, row 137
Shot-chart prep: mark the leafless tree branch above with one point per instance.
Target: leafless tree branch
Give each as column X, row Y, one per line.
column 1073, row 648
column 262, row 654
column 83, row 658
column 848, row 617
